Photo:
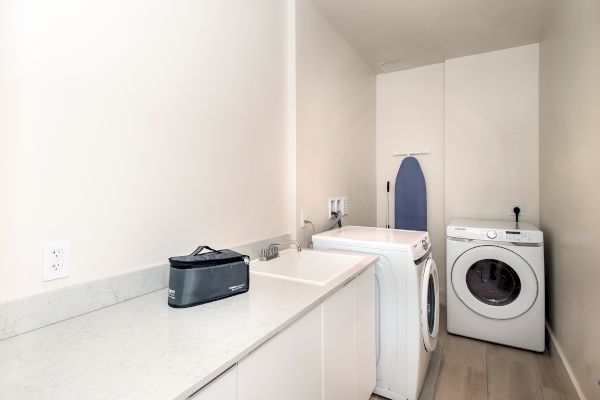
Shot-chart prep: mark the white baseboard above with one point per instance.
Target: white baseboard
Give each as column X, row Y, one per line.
column 563, row 368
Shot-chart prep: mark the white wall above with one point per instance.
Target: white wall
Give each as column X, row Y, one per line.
column 138, row 130
column 410, row 117
column 491, row 130
column 569, row 190
column 335, row 124
column 478, row 117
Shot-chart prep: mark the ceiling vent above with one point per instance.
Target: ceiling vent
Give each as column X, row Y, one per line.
column 395, row 65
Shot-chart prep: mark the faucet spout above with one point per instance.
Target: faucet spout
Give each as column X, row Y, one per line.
column 272, row 251
column 294, row 242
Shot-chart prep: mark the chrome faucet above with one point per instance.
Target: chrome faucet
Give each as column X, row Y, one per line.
column 272, row 251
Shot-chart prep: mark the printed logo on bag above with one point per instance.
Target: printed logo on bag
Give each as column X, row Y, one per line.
column 172, row 294
column 237, row 287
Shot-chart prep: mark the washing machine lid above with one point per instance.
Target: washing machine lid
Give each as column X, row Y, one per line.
column 494, row 282
column 378, row 238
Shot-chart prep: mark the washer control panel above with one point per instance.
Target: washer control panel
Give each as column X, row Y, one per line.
column 517, row 236
column 496, row 235
column 421, row 247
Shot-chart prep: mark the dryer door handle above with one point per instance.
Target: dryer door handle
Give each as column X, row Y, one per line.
column 460, row 239
column 521, row 244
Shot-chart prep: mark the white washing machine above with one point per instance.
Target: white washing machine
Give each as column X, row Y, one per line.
column 407, row 302
column 495, row 282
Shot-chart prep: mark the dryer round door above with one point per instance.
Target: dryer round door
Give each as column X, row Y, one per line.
column 494, row 282
column 430, row 305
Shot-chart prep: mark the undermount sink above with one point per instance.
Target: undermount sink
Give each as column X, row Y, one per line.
column 307, row 266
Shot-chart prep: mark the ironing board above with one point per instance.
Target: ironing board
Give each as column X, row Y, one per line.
column 410, row 196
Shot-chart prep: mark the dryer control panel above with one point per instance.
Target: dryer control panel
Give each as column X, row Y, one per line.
column 421, row 246
column 496, row 233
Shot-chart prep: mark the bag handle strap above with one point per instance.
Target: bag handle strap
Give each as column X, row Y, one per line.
column 201, row 248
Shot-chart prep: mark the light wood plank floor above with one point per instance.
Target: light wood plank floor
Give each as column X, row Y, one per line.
column 468, row 369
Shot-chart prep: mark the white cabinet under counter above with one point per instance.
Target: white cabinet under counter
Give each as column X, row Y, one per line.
column 288, row 366
column 349, row 359
column 327, row 354
column 338, row 344
column 364, row 334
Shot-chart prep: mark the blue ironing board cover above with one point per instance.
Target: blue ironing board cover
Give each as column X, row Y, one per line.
column 410, row 196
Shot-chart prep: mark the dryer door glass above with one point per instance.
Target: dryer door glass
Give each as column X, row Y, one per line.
column 493, row 282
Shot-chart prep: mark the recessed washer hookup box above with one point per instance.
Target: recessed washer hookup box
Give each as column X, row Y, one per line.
column 207, row 275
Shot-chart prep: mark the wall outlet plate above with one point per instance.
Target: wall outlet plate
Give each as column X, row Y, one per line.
column 337, row 204
column 55, row 263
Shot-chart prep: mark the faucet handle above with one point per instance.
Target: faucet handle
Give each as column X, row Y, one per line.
column 269, row 253
column 273, row 251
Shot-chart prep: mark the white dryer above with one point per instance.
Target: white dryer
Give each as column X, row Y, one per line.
column 407, row 302
column 495, row 282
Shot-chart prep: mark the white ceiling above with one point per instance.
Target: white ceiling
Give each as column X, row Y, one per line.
column 431, row 31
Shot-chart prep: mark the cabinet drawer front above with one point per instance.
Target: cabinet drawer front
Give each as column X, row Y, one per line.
column 338, row 345
column 288, row 366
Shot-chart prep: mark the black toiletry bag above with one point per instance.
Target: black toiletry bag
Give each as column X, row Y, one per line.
column 206, row 276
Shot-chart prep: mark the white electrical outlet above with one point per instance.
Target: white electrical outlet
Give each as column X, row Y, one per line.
column 55, row 264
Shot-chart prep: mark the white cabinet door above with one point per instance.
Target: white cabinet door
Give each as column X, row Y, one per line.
column 288, row 366
column 223, row 387
column 338, row 345
column 365, row 366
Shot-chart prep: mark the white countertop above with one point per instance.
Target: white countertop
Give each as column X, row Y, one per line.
column 143, row 349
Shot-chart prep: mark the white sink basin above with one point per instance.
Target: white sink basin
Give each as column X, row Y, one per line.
column 308, row 266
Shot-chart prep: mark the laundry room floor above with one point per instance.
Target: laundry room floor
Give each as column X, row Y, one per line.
column 468, row 369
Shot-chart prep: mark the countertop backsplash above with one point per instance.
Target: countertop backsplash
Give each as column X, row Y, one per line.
column 34, row 312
